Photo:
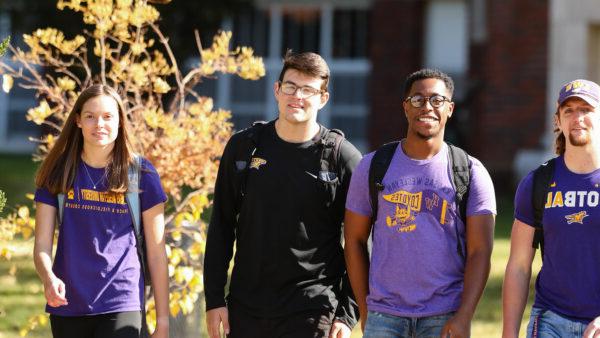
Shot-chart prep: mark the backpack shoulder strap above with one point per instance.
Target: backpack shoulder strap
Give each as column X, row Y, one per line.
column 541, row 181
column 247, row 145
column 133, row 193
column 461, row 177
column 379, row 165
column 61, row 208
column 461, row 180
column 331, row 140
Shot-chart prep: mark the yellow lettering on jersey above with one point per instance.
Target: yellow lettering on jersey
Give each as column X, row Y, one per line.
column 90, row 195
column 549, row 200
column 443, row 214
column 408, row 228
column 71, row 194
column 558, row 200
column 404, row 197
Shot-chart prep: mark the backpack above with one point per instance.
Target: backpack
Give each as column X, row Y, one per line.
column 541, row 181
column 330, row 142
column 461, row 179
column 133, row 203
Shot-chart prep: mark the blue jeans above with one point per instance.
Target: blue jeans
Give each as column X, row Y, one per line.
column 382, row 325
column 547, row 324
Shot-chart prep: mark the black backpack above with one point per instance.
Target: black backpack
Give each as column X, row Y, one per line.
column 461, row 179
column 542, row 177
column 330, row 142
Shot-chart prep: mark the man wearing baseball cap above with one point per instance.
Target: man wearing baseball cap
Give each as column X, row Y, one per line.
column 561, row 201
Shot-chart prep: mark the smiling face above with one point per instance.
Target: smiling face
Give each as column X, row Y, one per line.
column 428, row 122
column 296, row 109
column 99, row 122
column 576, row 120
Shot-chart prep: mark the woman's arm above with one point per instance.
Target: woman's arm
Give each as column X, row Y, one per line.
column 54, row 288
column 154, row 231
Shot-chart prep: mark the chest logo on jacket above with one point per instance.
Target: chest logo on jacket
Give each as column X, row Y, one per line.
column 576, row 217
column 256, row 162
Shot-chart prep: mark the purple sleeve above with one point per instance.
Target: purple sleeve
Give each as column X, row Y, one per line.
column 482, row 198
column 152, row 192
column 523, row 201
column 358, row 199
column 42, row 195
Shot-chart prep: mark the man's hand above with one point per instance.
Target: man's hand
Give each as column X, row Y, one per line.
column 214, row 319
column 593, row 329
column 457, row 327
column 339, row 330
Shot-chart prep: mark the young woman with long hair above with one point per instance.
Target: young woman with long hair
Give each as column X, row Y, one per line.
column 95, row 285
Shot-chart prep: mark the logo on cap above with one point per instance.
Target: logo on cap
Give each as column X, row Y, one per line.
column 584, row 89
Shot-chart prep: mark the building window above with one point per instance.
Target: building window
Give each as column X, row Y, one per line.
column 350, row 32
column 446, row 36
column 301, row 30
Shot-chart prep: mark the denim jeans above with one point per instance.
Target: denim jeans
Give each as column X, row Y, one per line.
column 382, row 325
column 547, row 324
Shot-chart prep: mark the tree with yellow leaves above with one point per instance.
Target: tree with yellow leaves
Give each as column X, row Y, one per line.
column 177, row 129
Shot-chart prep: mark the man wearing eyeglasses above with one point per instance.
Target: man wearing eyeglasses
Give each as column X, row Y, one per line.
column 289, row 277
column 419, row 282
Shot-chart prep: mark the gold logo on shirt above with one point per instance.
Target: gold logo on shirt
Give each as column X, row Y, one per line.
column 256, row 162
column 406, row 204
column 576, row 217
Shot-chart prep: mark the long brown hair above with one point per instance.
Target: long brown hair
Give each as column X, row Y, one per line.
column 560, row 140
column 57, row 171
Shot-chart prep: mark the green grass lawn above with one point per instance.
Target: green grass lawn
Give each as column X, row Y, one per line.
column 16, row 179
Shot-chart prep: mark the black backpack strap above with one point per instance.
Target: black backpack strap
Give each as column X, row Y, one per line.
column 245, row 149
column 331, row 140
column 461, row 180
column 379, row 165
column 542, row 177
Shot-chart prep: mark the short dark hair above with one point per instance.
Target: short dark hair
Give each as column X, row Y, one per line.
column 308, row 63
column 428, row 73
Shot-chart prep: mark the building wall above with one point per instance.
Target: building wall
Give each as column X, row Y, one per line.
column 505, row 88
column 396, row 51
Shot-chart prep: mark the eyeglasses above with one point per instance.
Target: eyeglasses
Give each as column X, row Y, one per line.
column 418, row 101
column 305, row 92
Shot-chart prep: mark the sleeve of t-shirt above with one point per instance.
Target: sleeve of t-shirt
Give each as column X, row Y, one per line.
column 358, row 200
column 523, row 201
column 42, row 195
column 151, row 191
column 482, row 198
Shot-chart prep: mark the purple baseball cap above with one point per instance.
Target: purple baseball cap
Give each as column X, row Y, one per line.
column 584, row 89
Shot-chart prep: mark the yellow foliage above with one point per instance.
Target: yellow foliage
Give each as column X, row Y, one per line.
column 39, row 114
column 7, row 82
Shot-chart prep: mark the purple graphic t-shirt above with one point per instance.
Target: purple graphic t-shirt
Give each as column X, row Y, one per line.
column 415, row 269
column 569, row 281
column 96, row 255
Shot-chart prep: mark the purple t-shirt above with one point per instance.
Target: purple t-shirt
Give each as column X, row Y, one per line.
column 415, row 269
column 96, row 255
column 569, row 281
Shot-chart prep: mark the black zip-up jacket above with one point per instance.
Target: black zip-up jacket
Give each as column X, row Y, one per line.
column 289, row 256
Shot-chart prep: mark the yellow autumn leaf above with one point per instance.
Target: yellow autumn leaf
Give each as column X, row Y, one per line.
column 176, row 235
column 7, row 83
column 26, row 232
column 23, row 212
column 39, row 114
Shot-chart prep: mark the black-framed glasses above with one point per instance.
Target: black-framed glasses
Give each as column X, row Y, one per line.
column 418, row 101
column 305, row 92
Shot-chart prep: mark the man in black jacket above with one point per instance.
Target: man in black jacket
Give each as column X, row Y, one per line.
column 280, row 196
